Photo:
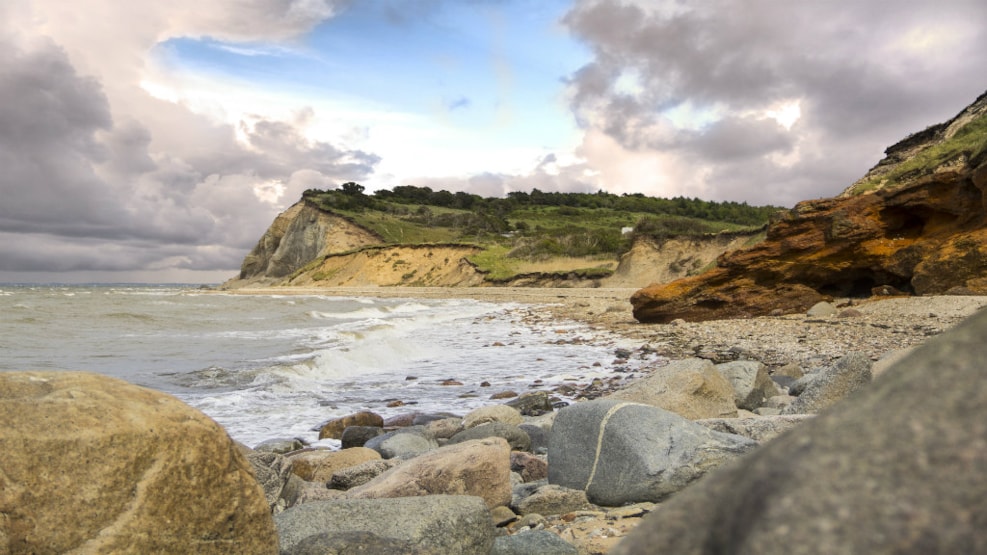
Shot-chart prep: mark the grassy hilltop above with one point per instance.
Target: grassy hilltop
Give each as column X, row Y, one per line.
column 536, row 231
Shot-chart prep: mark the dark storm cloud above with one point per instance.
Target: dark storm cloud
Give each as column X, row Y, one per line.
column 864, row 74
column 49, row 117
column 84, row 188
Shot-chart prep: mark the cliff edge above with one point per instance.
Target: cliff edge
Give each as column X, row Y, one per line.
column 916, row 225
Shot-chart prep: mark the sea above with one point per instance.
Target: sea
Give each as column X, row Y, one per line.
column 277, row 366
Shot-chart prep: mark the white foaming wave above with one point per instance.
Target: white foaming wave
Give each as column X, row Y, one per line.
column 378, row 346
column 379, row 311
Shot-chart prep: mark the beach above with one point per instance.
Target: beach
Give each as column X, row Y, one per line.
column 875, row 326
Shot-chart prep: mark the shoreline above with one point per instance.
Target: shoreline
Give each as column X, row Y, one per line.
column 875, row 326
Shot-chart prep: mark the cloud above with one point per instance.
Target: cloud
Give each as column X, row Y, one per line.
column 101, row 176
column 701, row 86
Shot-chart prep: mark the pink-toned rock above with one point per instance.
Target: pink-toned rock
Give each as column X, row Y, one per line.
column 334, row 428
column 530, row 467
column 480, row 467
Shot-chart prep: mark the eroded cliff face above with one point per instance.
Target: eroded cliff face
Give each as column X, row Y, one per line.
column 925, row 235
column 306, row 246
column 296, row 237
column 651, row 261
column 409, row 265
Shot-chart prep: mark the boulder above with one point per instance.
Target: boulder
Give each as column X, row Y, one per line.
column 760, row 429
column 528, row 466
column 347, row 543
column 492, row 413
column 790, row 370
column 404, row 443
column 280, row 445
column 898, row 468
column 299, row 492
column 480, row 468
column 318, row 465
column 541, row 542
column 360, row 474
column 423, row 419
column 538, row 437
column 552, row 500
column 515, row 436
column 358, row 436
column 435, row 524
column 620, row 452
column 832, row 384
column 691, row 388
column 334, row 428
column 92, row 464
column 272, row 471
column 532, row 403
column 821, row 310
column 751, row 384
column 444, row 428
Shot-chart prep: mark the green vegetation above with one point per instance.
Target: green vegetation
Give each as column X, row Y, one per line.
column 970, row 141
column 524, row 229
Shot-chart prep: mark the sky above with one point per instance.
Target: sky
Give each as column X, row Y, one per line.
column 156, row 141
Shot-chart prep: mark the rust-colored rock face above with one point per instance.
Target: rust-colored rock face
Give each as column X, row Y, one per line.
column 925, row 236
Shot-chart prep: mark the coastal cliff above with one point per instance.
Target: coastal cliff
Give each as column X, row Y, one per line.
column 298, row 235
column 310, row 246
column 916, row 224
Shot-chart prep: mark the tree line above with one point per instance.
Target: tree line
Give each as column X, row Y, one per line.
column 351, row 196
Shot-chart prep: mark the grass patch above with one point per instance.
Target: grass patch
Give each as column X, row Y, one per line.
column 495, row 263
column 970, row 141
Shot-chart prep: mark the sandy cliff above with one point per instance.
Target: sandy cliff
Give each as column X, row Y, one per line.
column 307, row 246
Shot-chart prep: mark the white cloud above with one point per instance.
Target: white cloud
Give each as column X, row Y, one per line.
column 743, row 100
column 108, row 169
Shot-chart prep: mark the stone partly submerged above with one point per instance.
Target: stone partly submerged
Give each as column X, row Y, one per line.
column 91, row 464
column 896, row 468
column 917, row 224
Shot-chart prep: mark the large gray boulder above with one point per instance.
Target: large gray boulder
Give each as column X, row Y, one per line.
column 833, row 384
column 621, row 452
column 898, row 468
column 448, row 524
